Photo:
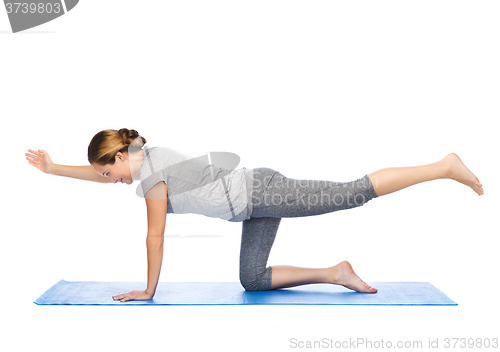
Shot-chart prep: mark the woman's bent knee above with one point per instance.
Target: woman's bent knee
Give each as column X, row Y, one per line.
column 256, row 282
column 252, row 286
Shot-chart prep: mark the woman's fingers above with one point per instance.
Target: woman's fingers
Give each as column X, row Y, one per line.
column 35, row 156
column 140, row 295
column 33, row 159
column 121, row 297
column 126, row 296
column 34, row 152
column 40, row 152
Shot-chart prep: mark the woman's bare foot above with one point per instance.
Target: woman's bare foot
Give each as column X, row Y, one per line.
column 345, row 276
column 459, row 172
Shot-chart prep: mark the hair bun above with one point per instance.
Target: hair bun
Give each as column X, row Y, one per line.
column 129, row 136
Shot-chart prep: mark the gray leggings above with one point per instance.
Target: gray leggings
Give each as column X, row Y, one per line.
column 275, row 196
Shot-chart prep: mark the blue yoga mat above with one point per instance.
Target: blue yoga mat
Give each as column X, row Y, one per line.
column 232, row 293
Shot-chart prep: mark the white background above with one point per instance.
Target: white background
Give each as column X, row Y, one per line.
column 314, row 89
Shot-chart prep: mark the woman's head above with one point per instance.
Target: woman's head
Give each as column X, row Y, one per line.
column 117, row 154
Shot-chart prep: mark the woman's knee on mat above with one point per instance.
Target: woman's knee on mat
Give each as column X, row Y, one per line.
column 256, row 282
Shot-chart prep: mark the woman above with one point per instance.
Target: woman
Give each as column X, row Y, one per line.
column 172, row 182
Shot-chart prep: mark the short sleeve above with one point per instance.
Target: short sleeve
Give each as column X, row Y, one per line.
column 149, row 182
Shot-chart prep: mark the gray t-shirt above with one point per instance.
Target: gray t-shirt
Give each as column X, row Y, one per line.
column 196, row 186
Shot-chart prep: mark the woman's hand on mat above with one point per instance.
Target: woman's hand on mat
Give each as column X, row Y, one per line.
column 40, row 159
column 134, row 296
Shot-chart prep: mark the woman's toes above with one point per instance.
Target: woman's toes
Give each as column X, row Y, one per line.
column 479, row 188
column 368, row 288
column 348, row 278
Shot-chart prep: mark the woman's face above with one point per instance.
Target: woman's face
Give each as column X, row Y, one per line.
column 119, row 172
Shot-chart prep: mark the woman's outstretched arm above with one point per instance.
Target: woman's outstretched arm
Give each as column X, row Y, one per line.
column 41, row 160
column 86, row 173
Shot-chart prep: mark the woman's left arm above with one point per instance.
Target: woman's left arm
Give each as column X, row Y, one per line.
column 156, row 203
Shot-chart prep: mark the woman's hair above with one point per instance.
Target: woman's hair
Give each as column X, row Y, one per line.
column 105, row 144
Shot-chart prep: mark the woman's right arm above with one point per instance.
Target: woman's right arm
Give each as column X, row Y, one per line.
column 41, row 160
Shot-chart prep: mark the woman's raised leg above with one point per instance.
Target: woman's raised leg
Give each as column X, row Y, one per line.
column 390, row 180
